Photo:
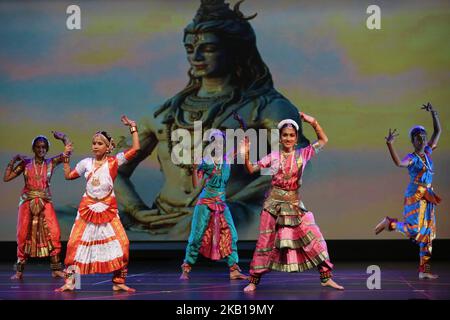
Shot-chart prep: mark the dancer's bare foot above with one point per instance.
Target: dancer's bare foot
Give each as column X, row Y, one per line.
column 250, row 287
column 17, row 276
column 123, row 287
column 58, row 274
column 66, row 287
column 383, row 225
column 427, row 275
column 184, row 276
column 237, row 275
column 332, row 284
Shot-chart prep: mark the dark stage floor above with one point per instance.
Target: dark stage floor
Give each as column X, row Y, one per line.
column 209, row 281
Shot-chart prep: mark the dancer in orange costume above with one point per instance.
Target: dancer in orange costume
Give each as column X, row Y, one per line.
column 98, row 242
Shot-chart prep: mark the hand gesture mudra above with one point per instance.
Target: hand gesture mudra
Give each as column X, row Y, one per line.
column 427, row 107
column 19, row 157
column 306, row 118
column 68, row 148
column 58, row 135
column 127, row 121
column 244, row 147
column 391, row 135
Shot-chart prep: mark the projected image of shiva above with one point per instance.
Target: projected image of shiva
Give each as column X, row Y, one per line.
column 226, row 74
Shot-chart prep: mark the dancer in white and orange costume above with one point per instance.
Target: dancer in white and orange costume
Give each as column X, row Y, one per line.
column 98, row 242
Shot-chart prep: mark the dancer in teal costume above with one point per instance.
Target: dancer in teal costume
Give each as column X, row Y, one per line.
column 213, row 233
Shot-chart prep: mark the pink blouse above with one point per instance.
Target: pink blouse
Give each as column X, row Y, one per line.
column 286, row 176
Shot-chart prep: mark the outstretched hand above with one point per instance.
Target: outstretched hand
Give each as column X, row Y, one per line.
column 306, row 118
column 58, row 135
column 68, row 148
column 427, row 107
column 127, row 121
column 19, row 157
column 244, row 147
column 392, row 135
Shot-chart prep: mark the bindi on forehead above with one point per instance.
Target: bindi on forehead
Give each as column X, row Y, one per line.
column 200, row 38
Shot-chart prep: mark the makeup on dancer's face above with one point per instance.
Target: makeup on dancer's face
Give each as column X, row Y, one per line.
column 419, row 140
column 99, row 147
column 40, row 148
column 288, row 137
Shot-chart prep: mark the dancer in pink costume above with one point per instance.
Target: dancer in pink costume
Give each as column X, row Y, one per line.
column 289, row 239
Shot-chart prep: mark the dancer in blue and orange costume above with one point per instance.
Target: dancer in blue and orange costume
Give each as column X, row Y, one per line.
column 98, row 242
column 289, row 239
column 419, row 222
column 38, row 232
column 213, row 234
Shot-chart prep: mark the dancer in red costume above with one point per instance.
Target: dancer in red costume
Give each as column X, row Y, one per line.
column 98, row 242
column 38, row 233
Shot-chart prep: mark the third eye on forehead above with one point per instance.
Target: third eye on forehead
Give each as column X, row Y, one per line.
column 201, row 38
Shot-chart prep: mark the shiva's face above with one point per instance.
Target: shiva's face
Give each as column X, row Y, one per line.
column 40, row 149
column 420, row 141
column 206, row 55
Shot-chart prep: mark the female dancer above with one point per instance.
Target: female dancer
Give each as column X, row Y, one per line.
column 419, row 222
column 289, row 240
column 38, row 233
column 98, row 242
column 212, row 230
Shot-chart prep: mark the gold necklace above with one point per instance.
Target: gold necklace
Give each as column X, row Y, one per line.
column 98, row 164
column 285, row 155
column 38, row 177
column 35, row 171
column 95, row 179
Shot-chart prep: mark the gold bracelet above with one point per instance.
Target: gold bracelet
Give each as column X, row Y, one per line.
column 133, row 129
column 17, row 169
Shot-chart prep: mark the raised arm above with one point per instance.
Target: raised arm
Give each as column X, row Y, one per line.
column 245, row 148
column 432, row 143
column 65, row 139
column 196, row 175
column 134, row 132
column 126, row 193
column 322, row 138
column 69, row 174
column 12, row 171
column 389, row 141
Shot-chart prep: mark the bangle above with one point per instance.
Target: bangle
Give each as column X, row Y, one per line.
column 133, row 129
column 17, row 169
